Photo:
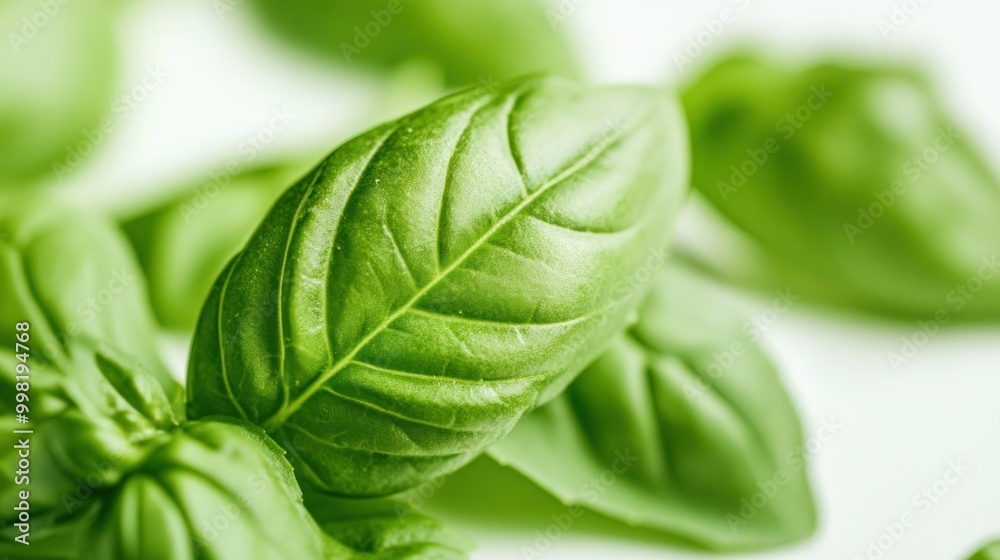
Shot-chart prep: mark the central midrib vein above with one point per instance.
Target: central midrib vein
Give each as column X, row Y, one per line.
column 276, row 421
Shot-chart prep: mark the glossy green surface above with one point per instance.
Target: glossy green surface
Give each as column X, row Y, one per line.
column 115, row 472
column 435, row 278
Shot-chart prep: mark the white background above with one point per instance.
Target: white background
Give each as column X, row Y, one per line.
column 900, row 428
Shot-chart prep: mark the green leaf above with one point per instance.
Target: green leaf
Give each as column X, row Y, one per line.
column 184, row 243
column 988, row 552
column 380, row 529
column 137, row 386
column 83, row 440
column 474, row 42
column 72, row 457
column 129, row 492
column 850, row 184
column 212, row 489
column 221, row 488
column 659, row 433
column 435, row 278
column 57, row 72
column 58, row 541
column 111, row 471
column 72, row 277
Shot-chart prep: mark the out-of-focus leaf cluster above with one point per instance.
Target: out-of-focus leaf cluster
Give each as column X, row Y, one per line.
column 850, row 183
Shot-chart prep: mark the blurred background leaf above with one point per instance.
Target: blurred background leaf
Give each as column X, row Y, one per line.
column 849, row 183
column 184, row 243
column 73, row 276
column 473, row 42
column 56, row 80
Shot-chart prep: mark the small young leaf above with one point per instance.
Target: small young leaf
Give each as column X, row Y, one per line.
column 137, row 386
column 433, row 279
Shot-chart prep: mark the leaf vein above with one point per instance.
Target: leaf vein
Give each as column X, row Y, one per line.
column 222, row 347
column 280, row 296
column 579, row 163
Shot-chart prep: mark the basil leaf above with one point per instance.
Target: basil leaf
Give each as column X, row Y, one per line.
column 383, row 529
column 56, row 83
column 184, row 243
column 212, row 489
column 433, row 279
column 474, row 42
column 83, row 440
column 988, row 552
column 850, row 184
column 137, row 387
column 59, row 541
column 91, row 473
column 685, row 440
column 73, row 280
column 72, row 277
column 112, row 472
